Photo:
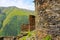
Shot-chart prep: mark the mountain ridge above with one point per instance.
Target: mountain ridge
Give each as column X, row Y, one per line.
column 10, row 12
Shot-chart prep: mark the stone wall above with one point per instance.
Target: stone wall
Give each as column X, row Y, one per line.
column 48, row 16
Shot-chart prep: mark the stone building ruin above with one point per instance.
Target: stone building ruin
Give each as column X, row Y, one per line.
column 48, row 17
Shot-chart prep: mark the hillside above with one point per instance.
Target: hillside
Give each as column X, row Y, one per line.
column 12, row 18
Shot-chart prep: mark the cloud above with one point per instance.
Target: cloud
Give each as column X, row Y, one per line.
column 26, row 4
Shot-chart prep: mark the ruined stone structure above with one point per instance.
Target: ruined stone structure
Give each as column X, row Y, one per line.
column 30, row 26
column 48, row 17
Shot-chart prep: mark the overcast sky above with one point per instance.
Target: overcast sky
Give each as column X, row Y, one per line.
column 26, row 4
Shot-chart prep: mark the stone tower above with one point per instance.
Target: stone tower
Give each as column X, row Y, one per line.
column 48, row 17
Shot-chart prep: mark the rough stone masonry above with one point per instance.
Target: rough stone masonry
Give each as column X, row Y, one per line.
column 48, row 16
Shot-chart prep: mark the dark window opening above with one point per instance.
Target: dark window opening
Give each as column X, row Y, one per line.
column 1, row 38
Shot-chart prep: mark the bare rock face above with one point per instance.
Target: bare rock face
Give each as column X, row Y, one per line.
column 48, row 16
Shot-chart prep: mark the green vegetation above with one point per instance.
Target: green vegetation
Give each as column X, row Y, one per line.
column 30, row 34
column 47, row 37
column 11, row 19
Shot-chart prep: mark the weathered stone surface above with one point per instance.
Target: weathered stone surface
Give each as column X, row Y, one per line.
column 48, row 16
